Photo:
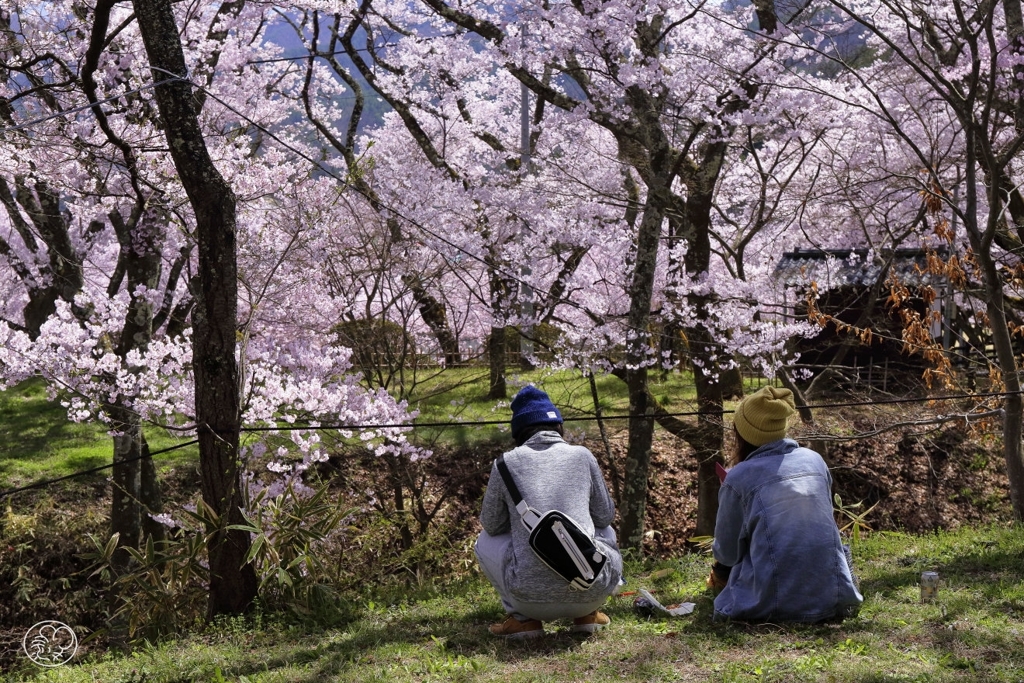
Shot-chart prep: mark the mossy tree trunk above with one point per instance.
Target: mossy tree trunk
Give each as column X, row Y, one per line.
column 233, row 583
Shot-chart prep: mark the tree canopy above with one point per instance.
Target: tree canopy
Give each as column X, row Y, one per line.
column 624, row 175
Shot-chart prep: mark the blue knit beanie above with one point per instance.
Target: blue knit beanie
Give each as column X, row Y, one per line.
column 532, row 406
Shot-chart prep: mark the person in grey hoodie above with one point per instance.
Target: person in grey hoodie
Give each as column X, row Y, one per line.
column 778, row 552
column 551, row 475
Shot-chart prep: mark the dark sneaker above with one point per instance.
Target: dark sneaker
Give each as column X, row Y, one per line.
column 591, row 623
column 513, row 628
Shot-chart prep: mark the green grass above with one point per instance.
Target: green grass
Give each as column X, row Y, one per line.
column 973, row 632
column 460, row 395
column 37, row 441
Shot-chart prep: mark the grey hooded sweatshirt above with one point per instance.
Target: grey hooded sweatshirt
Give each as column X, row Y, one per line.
column 551, row 475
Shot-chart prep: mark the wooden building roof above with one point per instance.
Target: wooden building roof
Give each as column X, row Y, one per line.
column 836, row 268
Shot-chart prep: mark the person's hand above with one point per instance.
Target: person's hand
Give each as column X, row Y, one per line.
column 717, row 580
column 715, row 584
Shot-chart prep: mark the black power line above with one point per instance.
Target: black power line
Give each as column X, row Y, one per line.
column 91, row 470
column 481, row 423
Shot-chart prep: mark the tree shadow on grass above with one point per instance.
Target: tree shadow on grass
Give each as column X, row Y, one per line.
column 33, row 429
column 986, row 566
column 433, row 646
column 25, row 441
column 14, row 475
column 457, row 642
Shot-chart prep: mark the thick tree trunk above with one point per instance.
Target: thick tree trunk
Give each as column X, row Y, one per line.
column 732, row 383
column 233, row 584
column 497, row 341
column 402, row 512
column 708, row 439
column 704, row 349
column 436, row 317
column 136, row 489
column 150, row 496
column 136, row 492
column 1013, row 406
column 995, row 295
column 638, row 461
column 497, row 347
column 641, row 420
column 126, row 509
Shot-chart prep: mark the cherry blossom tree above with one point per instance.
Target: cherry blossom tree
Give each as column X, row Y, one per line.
column 108, row 296
column 67, row 248
column 942, row 83
column 675, row 87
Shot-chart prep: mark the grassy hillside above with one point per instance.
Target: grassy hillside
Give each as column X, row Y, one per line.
column 973, row 632
column 459, row 395
column 37, row 441
column 433, row 627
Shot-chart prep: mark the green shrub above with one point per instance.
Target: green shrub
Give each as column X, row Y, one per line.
column 42, row 575
column 161, row 589
column 290, row 533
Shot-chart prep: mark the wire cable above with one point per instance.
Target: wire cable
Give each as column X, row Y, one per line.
column 92, row 470
column 291, row 427
column 479, row 423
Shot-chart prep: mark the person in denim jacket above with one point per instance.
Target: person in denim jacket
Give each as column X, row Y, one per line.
column 778, row 553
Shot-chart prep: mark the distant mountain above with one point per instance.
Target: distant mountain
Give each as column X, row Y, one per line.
column 283, row 35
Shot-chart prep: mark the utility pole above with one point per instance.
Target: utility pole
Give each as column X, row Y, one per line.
column 526, row 301
column 950, row 312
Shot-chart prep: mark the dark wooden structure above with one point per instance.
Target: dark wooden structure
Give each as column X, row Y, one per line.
column 854, row 288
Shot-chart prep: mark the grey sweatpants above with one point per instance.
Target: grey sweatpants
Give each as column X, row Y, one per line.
column 490, row 553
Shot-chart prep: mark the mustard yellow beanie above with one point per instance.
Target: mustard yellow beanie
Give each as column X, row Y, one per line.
column 763, row 416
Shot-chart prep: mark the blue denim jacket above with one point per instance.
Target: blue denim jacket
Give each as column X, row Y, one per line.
column 776, row 529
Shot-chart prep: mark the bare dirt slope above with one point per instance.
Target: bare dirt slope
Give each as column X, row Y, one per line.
column 919, row 480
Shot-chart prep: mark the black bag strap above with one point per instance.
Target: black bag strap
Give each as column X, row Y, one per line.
column 510, row 483
column 522, row 508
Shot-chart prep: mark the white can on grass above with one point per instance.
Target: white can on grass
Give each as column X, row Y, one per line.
column 929, row 586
